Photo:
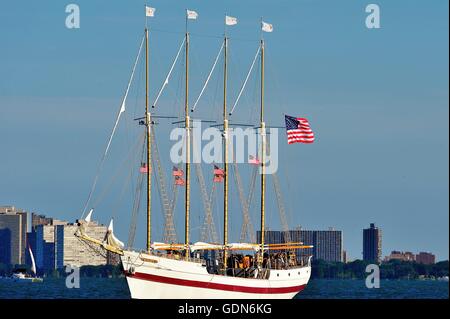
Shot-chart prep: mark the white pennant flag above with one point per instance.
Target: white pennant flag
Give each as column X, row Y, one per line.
column 230, row 20
column 149, row 11
column 191, row 14
column 266, row 27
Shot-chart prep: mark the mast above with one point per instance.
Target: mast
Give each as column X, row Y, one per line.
column 188, row 150
column 149, row 154
column 225, row 145
column 263, row 151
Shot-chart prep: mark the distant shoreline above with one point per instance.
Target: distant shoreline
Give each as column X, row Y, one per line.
column 355, row 270
column 391, row 270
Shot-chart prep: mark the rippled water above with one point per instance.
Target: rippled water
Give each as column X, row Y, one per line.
column 116, row 288
column 389, row 289
column 90, row 288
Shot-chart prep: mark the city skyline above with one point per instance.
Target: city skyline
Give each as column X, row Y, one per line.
column 322, row 240
column 52, row 241
column 367, row 95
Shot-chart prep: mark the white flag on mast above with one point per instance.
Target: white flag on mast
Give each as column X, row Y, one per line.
column 266, row 27
column 230, row 20
column 191, row 14
column 149, row 11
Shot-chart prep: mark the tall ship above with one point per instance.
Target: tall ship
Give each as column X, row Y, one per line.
column 210, row 268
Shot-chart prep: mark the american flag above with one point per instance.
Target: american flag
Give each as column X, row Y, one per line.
column 298, row 130
column 178, row 175
column 143, row 168
column 218, row 174
column 177, row 171
column 253, row 160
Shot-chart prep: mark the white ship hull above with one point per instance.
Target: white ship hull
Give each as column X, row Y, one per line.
column 155, row 277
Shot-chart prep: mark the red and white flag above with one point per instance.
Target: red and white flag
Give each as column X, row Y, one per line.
column 266, row 27
column 253, row 160
column 144, row 168
column 177, row 171
column 191, row 15
column 230, row 20
column 149, row 11
column 218, row 174
column 298, row 130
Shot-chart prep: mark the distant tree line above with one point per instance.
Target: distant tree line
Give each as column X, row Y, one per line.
column 321, row 269
column 394, row 269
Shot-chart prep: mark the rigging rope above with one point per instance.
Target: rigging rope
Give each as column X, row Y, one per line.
column 136, row 203
column 166, row 81
column 116, row 174
column 209, row 76
column 122, row 109
column 245, row 82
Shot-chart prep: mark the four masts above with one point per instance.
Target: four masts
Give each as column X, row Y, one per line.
column 188, row 147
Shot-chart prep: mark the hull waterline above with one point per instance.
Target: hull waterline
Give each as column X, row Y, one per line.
column 156, row 277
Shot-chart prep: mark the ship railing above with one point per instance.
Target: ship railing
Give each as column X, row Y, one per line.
column 175, row 257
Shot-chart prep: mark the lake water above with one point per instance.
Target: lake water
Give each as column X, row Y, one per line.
column 116, row 288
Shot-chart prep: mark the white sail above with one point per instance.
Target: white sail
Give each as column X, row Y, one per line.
column 33, row 264
column 89, row 216
column 111, row 239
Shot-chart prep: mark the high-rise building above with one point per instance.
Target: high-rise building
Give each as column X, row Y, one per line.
column 13, row 235
column 344, row 257
column 372, row 244
column 39, row 220
column 327, row 244
column 425, row 258
column 45, row 247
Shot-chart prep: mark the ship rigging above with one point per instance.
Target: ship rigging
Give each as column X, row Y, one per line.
column 170, row 269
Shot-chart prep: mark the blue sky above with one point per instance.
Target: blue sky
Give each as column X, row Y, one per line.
column 376, row 99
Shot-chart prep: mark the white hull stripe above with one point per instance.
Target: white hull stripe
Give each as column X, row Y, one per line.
column 217, row 286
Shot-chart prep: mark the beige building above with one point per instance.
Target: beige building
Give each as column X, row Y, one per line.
column 57, row 246
column 399, row 255
column 75, row 252
column 13, row 235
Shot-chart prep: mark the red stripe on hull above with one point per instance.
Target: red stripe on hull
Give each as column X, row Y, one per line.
column 209, row 285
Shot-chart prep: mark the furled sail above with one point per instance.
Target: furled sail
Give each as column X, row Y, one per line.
column 112, row 240
column 205, row 246
column 82, row 223
column 243, row 246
